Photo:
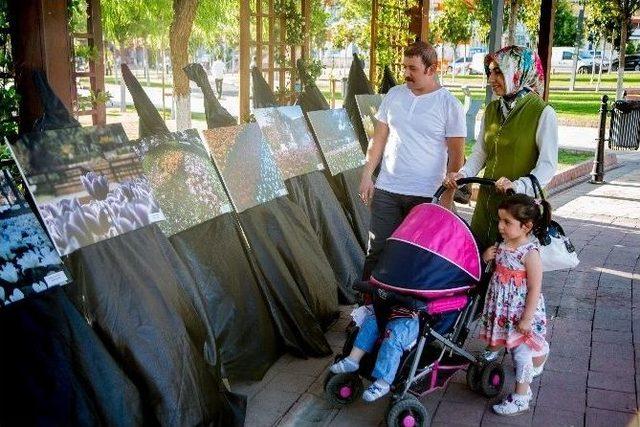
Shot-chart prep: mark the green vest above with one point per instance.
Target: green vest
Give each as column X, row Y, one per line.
column 511, row 152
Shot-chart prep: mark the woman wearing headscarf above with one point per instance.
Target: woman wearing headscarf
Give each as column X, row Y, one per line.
column 518, row 136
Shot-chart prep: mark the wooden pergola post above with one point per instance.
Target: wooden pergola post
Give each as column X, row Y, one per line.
column 424, row 28
column 374, row 40
column 545, row 40
column 40, row 41
column 261, row 27
column 245, row 52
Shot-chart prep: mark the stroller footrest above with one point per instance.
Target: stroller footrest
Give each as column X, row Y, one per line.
column 447, row 304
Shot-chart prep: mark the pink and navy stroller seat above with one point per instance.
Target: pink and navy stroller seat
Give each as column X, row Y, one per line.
column 431, row 261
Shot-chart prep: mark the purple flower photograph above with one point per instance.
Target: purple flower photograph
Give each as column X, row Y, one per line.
column 87, row 184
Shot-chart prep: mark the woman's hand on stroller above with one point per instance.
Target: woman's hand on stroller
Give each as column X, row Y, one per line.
column 504, row 184
column 489, row 254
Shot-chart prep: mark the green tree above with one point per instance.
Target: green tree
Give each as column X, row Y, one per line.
column 565, row 28
column 623, row 10
column 453, row 25
column 353, row 23
column 122, row 22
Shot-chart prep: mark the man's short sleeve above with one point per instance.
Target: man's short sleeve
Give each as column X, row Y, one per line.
column 383, row 112
column 456, row 120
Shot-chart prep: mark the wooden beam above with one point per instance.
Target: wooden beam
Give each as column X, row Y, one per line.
column 245, row 36
column 545, row 40
column 495, row 35
column 424, row 28
column 96, row 66
column 306, row 44
column 259, row 33
column 272, row 53
column 374, row 42
column 40, row 41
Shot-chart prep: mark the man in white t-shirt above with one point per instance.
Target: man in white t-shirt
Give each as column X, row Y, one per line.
column 217, row 72
column 419, row 137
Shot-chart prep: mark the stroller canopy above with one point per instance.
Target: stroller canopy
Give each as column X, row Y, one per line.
column 432, row 250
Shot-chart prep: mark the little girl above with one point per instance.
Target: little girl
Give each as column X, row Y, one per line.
column 514, row 312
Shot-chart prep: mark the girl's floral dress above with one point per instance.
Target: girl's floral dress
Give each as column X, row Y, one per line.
column 505, row 302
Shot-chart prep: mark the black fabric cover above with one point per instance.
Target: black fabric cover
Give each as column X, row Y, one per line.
column 253, row 319
column 347, row 187
column 313, row 194
column 263, row 96
column 56, row 370
column 56, row 115
column 217, row 115
column 151, row 122
column 289, row 253
column 311, row 99
column 357, row 84
column 388, row 80
column 141, row 298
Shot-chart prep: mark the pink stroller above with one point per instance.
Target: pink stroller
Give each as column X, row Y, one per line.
column 433, row 257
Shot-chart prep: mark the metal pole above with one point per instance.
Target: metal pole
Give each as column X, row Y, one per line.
column 495, row 35
column 597, row 173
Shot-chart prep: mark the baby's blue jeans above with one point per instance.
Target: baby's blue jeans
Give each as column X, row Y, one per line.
column 400, row 334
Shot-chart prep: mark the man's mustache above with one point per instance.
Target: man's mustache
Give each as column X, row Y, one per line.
column 408, row 79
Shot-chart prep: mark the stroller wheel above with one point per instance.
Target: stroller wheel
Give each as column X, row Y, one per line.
column 492, row 379
column 342, row 389
column 407, row 412
column 473, row 377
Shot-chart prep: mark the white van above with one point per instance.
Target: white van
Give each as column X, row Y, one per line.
column 562, row 60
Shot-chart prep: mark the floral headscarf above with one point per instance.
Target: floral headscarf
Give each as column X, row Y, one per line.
column 521, row 67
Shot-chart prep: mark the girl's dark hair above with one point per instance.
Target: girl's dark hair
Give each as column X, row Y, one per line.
column 525, row 208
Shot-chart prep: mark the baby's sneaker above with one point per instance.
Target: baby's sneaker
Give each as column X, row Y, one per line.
column 344, row 366
column 514, row 404
column 375, row 391
column 490, row 356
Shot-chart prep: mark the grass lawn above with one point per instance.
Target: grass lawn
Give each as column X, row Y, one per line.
column 566, row 158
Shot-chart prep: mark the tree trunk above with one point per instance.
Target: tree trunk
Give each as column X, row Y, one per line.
column 604, row 44
column 123, row 89
column 184, row 12
column 513, row 21
column 145, row 61
column 593, row 63
column 621, row 55
column 453, row 64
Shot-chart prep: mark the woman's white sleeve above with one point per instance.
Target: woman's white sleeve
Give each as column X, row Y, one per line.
column 475, row 162
column 547, row 142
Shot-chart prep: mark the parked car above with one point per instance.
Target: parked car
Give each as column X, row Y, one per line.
column 562, row 61
column 477, row 63
column 631, row 63
column 460, row 65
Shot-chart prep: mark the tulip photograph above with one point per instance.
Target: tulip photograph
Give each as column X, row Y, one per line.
column 87, row 184
column 28, row 262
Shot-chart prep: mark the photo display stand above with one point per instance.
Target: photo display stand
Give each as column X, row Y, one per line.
column 58, row 364
column 287, row 132
column 279, row 236
column 137, row 293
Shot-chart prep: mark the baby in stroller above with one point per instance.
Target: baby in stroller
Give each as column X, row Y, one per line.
column 401, row 332
column 425, row 292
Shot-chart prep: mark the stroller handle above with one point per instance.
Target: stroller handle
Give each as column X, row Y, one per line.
column 463, row 181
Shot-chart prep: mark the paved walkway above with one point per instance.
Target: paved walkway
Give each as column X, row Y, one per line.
column 591, row 377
